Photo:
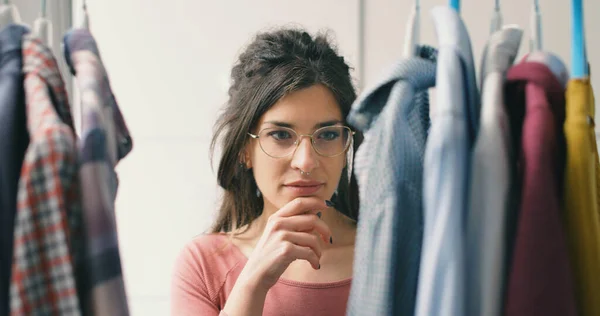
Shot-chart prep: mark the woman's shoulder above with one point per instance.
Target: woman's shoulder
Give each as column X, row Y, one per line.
column 208, row 259
column 211, row 249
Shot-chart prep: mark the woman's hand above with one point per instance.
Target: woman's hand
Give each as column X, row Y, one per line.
column 291, row 233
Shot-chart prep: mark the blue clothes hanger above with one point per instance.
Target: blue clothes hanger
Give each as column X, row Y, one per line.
column 413, row 30
column 455, row 4
column 579, row 69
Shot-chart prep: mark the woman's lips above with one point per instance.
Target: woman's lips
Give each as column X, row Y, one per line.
column 304, row 189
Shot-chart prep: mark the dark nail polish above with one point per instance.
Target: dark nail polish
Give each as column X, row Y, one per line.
column 319, row 267
column 330, row 239
column 319, row 214
column 329, row 203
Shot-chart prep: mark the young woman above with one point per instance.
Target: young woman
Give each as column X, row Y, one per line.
column 283, row 241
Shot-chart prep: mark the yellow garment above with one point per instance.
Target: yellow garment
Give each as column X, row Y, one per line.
column 582, row 178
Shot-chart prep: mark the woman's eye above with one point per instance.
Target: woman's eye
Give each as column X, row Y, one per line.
column 280, row 135
column 329, row 135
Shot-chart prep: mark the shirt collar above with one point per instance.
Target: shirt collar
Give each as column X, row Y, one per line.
column 11, row 38
column 78, row 40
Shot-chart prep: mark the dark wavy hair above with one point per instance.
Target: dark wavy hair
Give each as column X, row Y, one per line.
column 274, row 64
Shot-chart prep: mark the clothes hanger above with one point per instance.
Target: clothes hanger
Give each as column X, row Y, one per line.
column 455, row 4
column 42, row 26
column 413, row 30
column 85, row 21
column 535, row 40
column 553, row 62
column 9, row 14
column 579, row 65
column 496, row 18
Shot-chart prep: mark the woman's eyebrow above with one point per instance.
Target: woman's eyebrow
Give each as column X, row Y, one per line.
column 280, row 123
column 328, row 123
column 290, row 125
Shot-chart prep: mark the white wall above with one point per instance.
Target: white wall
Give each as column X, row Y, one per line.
column 169, row 63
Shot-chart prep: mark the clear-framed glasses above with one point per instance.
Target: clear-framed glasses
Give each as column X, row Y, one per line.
column 328, row 141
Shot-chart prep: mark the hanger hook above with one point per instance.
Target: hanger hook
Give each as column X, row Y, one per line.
column 497, row 5
column 536, row 25
column 417, row 4
column 44, row 11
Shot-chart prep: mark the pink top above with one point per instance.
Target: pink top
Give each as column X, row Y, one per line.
column 208, row 267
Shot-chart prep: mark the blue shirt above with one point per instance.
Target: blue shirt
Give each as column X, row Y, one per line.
column 441, row 288
column 394, row 116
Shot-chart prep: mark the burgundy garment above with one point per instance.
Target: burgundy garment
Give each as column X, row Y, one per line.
column 539, row 274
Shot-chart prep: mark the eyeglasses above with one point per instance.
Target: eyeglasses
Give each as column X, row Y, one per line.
column 328, row 141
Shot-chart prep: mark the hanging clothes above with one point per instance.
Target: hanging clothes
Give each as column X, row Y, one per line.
column 582, row 193
column 491, row 180
column 441, row 289
column 47, row 233
column 394, row 116
column 13, row 143
column 539, row 279
column 105, row 140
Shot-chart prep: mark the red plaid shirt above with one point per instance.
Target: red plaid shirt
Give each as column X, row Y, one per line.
column 48, row 219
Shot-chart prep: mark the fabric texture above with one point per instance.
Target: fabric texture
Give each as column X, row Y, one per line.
column 105, row 140
column 492, row 168
column 13, row 143
column 582, row 194
column 208, row 267
column 540, row 277
column 47, row 234
column 441, row 289
column 394, row 117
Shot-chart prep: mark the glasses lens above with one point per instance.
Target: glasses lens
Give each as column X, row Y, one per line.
column 277, row 141
column 332, row 140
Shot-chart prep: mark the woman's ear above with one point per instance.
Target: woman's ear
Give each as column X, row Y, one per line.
column 245, row 157
column 247, row 160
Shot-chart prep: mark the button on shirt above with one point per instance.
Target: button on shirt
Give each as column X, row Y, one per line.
column 441, row 288
column 394, row 116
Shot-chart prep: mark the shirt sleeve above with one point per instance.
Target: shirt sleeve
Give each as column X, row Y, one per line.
column 189, row 292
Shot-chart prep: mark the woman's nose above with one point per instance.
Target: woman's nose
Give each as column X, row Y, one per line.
column 305, row 156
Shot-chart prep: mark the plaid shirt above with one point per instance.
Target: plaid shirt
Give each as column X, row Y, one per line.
column 104, row 141
column 48, row 218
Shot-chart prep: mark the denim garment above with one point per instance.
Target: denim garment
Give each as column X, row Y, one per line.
column 13, row 143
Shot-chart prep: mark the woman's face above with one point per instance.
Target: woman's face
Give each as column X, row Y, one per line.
column 280, row 179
